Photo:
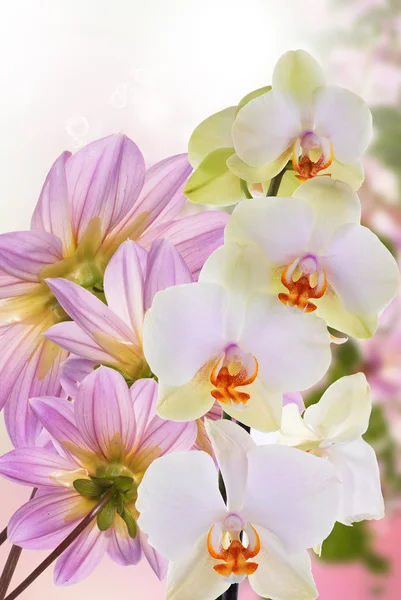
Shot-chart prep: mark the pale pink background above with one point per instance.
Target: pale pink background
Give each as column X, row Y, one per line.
column 76, row 70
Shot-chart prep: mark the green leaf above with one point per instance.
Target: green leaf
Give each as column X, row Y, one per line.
column 252, row 96
column 212, row 134
column 103, row 482
column 213, row 182
column 123, row 483
column 130, row 523
column 106, row 516
column 86, row 487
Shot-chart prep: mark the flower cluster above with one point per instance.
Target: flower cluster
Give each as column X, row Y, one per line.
column 152, row 364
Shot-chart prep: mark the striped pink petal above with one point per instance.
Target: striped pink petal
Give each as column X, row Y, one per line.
column 42, row 523
column 52, row 212
column 37, row 467
column 165, row 267
column 23, row 427
column 74, row 370
column 82, row 557
column 71, row 337
column 24, row 253
column 121, row 547
column 144, row 397
column 124, row 285
column 157, row 562
column 105, row 415
column 195, row 237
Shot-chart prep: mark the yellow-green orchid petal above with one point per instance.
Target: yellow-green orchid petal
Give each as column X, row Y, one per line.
column 213, row 182
column 213, row 133
column 251, row 96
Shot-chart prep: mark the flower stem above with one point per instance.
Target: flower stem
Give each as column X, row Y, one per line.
column 231, row 593
column 60, row 548
column 275, row 183
column 245, row 189
column 11, row 562
column 3, row 536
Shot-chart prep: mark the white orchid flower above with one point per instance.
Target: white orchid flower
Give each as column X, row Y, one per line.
column 321, row 258
column 279, row 503
column 319, row 126
column 333, row 429
column 206, row 343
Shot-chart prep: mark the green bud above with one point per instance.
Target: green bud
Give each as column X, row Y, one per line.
column 123, row 483
column 86, row 487
column 106, row 516
column 130, row 523
column 103, row 482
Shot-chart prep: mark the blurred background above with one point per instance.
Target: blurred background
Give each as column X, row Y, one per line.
column 75, row 71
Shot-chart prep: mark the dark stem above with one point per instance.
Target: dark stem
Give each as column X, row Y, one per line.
column 3, row 536
column 11, row 562
column 61, row 547
column 231, row 593
column 245, row 189
column 275, row 183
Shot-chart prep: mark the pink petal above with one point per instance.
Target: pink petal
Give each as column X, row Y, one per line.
column 123, row 285
column 165, row 268
column 104, row 180
column 42, row 523
column 52, row 212
column 144, row 397
column 122, row 548
column 104, row 413
column 24, row 253
column 156, row 561
column 90, row 313
column 11, row 286
column 58, row 418
column 34, row 466
column 82, row 557
column 23, row 427
column 70, row 336
column 195, row 237
column 74, row 371
column 18, row 344
column 294, row 398
column 161, row 197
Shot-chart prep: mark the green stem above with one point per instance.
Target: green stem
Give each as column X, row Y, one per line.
column 275, row 183
column 245, row 189
column 11, row 562
column 61, row 547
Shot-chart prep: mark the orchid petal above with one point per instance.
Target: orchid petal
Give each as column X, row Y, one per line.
column 213, row 133
column 298, row 74
column 178, row 316
column 333, row 204
column 52, row 212
column 345, row 119
column 105, row 415
column 193, row 576
column 79, row 560
column 231, row 444
column 281, row 227
column 292, row 494
column 361, row 495
column 361, row 270
column 266, row 127
column 331, row 310
column 280, row 574
column 178, row 501
column 258, row 174
column 165, row 268
column 189, row 401
column 343, row 412
column 295, row 431
column 292, row 348
column 263, row 411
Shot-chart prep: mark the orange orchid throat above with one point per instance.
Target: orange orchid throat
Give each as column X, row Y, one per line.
column 234, row 369
column 304, row 165
column 235, row 556
column 300, row 291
